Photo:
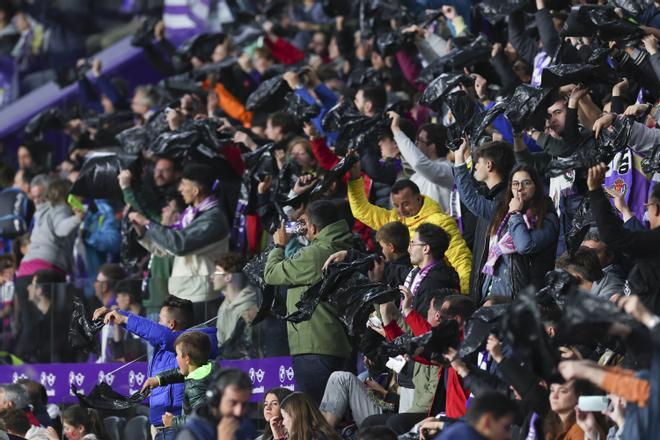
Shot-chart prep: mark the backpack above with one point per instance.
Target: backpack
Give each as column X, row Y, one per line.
column 16, row 211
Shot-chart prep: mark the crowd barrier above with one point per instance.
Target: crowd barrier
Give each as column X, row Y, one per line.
column 127, row 379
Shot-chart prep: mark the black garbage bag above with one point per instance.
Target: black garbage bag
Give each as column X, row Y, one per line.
column 651, row 163
column 355, row 129
column 580, row 224
column 633, row 7
column 522, row 329
column 558, row 284
column 52, row 118
column 466, row 112
column 270, row 96
column 440, row 87
column 240, row 344
column 578, row 23
column 131, row 253
column 83, row 333
column 270, row 303
column 103, row 397
column 588, row 320
column 590, row 151
column 175, row 144
column 497, row 10
column 431, row 345
column 389, row 43
column 98, row 175
column 299, row 109
column 610, row 27
column 527, row 107
column 145, row 33
column 355, row 303
column 183, row 84
column 218, row 68
column 133, row 140
column 561, row 74
column 468, row 52
column 362, row 77
column 485, row 119
column 336, row 275
column 483, row 322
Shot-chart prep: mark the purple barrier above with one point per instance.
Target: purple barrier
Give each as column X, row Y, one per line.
column 57, row 378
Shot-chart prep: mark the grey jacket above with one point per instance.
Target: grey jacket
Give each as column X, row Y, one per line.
column 53, row 235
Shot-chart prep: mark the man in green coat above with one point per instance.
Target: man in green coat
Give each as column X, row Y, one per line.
column 318, row 346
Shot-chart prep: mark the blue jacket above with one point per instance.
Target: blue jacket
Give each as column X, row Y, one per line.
column 101, row 236
column 459, row 431
column 168, row 398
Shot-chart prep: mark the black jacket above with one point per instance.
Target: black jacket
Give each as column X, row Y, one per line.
column 440, row 276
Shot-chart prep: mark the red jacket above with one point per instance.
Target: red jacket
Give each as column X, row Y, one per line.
column 283, row 51
column 456, row 394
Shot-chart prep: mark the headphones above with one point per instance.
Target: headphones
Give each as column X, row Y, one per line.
column 222, row 379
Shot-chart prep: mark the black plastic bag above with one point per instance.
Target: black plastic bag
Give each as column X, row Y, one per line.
column 527, row 107
column 496, row 10
column 431, row 345
column 300, row 110
column 355, row 303
column 215, row 68
column 270, row 303
column 389, row 43
column 485, row 119
column 651, row 163
column 483, row 322
column 610, row 27
column 98, row 175
column 522, row 329
column 578, row 23
column 558, row 284
column 270, row 96
column 336, row 275
column 355, row 129
column 133, row 140
column 51, row 118
column 240, row 344
column 131, row 253
column 561, row 74
column 362, row 77
column 440, row 87
column 464, row 55
column 174, row 144
column 82, row 331
column 580, row 224
column 103, row 397
column 466, row 111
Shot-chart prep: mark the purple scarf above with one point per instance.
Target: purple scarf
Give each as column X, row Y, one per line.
column 502, row 244
column 191, row 212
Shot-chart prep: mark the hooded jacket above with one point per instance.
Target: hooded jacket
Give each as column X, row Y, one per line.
column 458, row 254
column 168, row 398
column 323, row 334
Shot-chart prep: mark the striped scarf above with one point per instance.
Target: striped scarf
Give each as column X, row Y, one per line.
column 191, row 212
column 502, row 243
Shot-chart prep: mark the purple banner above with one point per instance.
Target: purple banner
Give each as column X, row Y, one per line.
column 57, row 378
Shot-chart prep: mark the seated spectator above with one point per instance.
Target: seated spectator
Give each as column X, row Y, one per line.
column 241, row 300
column 18, row 424
column 489, row 417
column 126, row 346
column 39, row 403
column 225, row 416
column 272, row 414
column 15, row 396
column 302, row 419
column 196, row 240
column 80, row 424
column 561, row 420
column 585, row 266
column 193, row 350
column 412, row 209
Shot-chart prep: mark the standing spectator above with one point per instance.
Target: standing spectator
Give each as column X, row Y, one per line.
column 196, row 240
column 100, row 235
column 126, row 346
column 7, row 270
column 51, row 248
column 38, row 188
column 412, row 209
column 319, row 346
column 241, row 300
column 492, row 167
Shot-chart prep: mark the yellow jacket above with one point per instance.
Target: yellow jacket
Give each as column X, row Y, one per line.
column 458, row 254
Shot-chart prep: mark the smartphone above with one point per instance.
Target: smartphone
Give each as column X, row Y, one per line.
column 295, row 228
column 75, row 203
column 593, row 403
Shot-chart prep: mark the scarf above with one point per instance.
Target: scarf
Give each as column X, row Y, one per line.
column 416, row 276
column 191, row 212
column 502, row 244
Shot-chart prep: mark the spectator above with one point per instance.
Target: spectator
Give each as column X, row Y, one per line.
column 196, row 240
column 51, row 248
column 302, row 419
column 15, row 396
column 193, row 350
column 273, row 415
column 127, row 347
column 412, row 209
column 17, row 423
column 104, row 291
column 38, row 189
column 39, row 403
column 609, row 260
column 370, row 100
column 241, row 300
column 224, row 416
column 523, row 231
column 489, row 417
column 7, row 270
column 51, row 325
column 492, row 167
column 585, row 266
column 175, row 317
column 100, row 235
column 318, row 346
column 79, row 423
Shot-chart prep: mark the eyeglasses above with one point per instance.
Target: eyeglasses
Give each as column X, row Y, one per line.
column 524, row 184
column 421, row 141
column 412, row 243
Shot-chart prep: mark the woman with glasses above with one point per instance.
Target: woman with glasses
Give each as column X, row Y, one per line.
column 523, row 233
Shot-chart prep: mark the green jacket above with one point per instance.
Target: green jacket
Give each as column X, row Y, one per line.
column 194, row 391
column 323, row 333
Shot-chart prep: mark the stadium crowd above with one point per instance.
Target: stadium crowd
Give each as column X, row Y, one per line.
column 445, row 212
